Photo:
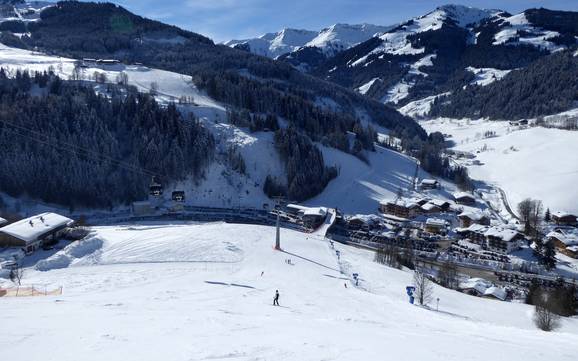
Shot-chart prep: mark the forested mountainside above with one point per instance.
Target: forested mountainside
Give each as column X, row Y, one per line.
column 263, row 88
column 68, row 145
column 447, row 50
column 547, row 86
column 234, row 77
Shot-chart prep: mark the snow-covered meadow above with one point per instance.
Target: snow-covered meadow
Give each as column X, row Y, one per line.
column 204, row 291
column 533, row 162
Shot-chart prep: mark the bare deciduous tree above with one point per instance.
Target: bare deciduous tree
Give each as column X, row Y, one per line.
column 530, row 211
column 122, row 78
column 448, row 275
column 423, row 288
column 546, row 305
column 16, row 274
column 99, row 77
column 388, row 255
column 154, row 89
column 76, row 73
column 545, row 319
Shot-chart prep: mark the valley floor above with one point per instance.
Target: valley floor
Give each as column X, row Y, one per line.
column 533, row 162
column 204, row 292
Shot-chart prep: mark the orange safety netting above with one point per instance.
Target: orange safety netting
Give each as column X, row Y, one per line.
column 29, row 291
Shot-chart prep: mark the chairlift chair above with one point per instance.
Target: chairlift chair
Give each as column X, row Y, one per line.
column 156, row 188
column 178, row 196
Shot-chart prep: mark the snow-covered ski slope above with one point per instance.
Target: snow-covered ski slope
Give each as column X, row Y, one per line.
column 536, row 162
column 171, row 86
column 121, row 302
column 361, row 186
column 25, row 11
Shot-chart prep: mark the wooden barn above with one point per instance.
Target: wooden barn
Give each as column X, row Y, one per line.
column 564, row 219
column 565, row 241
column 465, row 198
column 467, row 218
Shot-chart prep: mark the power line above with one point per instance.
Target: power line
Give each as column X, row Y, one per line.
column 81, row 152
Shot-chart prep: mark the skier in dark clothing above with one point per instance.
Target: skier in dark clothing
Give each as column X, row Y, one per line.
column 276, row 299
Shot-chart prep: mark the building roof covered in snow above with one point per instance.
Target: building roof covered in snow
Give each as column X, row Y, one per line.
column 563, row 214
column 573, row 248
column 365, row 218
column 476, row 228
column 463, row 195
column 483, row 288
column 316, row 211
column 429, row 182
column 407, row 203
column 478, row 284
column 32, row 228
column 436, row 222
column 440, row 202
column 391, row 217
column 496, row 292
column 473, row 246
column 568, row 238
column 429, row 206
column 296, row 207
column 308, row 211
column 473, row 215
column 3, row 221
column 505, row 234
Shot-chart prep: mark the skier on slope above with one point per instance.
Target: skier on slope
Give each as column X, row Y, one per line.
column 276, row 298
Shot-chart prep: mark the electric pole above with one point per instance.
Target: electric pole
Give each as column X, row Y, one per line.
column 416, row 175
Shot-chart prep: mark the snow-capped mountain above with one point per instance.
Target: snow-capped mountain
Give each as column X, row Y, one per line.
column 21, row 10
column 340, row 37
column 329, row 41
column 274, row 44
column 520, row 29
column 449, row 48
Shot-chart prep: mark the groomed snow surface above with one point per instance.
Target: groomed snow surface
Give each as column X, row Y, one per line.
column 204, row 292
column 360, row 187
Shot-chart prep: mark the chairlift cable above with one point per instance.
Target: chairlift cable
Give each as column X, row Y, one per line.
column 65, row 147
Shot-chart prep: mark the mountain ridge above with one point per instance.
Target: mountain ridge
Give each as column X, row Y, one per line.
column 329, row 40
column 444, row 50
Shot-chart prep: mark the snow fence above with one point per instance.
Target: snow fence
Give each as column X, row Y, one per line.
column 28, row 291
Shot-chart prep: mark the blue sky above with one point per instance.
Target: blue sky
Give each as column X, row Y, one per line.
column 223, row 20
